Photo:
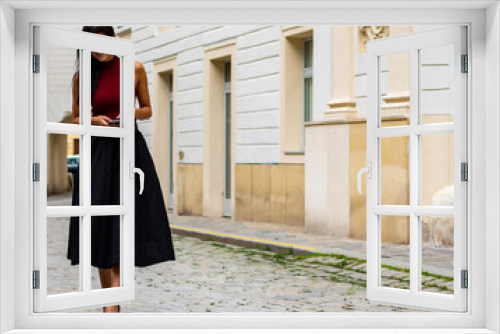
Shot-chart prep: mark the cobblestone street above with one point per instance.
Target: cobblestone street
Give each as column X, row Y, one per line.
column 208, row 276
column 212, row 277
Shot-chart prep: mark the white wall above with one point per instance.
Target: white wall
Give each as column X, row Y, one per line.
column 7, row 168
column 492, row 185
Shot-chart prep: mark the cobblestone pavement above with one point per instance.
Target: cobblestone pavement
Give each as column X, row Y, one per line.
column 212, row 277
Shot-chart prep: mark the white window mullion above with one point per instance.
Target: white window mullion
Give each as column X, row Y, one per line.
column 392, row 210
column 106, row 131
column 393, row 131
column 85, row 259
column 67, row 129
column 85, row 170
column 406, row 210
column 128, row 195
column 414, row 172
column 373, row 192
column 96, row 210
column 431, row 129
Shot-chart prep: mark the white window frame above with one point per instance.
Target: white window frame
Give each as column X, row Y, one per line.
column 412, row 44
column 483, row 210
column 85, row 44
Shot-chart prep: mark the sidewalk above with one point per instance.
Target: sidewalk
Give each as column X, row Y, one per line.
column 290, row 239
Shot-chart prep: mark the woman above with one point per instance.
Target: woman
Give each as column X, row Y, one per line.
column 153, row 240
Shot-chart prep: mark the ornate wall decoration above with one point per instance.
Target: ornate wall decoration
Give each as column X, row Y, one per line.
column 368, row 33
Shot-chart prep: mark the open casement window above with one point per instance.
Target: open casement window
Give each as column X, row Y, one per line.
column 434, row 140
column 58, row 53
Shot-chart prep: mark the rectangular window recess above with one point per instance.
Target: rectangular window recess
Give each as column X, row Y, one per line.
column 464, row 279
column 36, row 279
column 464, row 172
column 465, row 64
column 36, row 172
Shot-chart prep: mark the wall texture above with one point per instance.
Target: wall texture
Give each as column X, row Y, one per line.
column 257, row 100
column 270, row 193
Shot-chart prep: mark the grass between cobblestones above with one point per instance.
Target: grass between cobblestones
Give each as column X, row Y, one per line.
column 342, row 268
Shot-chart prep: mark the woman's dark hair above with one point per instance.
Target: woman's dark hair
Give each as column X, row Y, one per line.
column 95, row 64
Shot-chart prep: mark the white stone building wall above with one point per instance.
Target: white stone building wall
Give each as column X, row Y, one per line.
column 257, row 86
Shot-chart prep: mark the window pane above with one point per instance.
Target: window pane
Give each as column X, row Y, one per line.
column 63, row 172
column 437, row 254
column 308, row 99
column 106, row 173
column 171, row 147
column 394, row 169
column 105, row 90
column 436, row 84
column 308, row 53
column 62, row 64
column 394, row 76
column 395, row 251
column 63, row 255
column 228, row 146
column 106, row 236
column 437, row 169
column 227, row 72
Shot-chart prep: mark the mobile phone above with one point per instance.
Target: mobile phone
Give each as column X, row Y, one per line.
column 114, row 121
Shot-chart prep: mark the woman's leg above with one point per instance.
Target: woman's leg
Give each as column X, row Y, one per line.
column 105, row 276
column 110, row 278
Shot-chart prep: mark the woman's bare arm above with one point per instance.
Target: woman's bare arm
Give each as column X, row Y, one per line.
column 141, row 85
column 75, row 104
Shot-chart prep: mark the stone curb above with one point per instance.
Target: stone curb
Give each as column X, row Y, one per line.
column 275, row 248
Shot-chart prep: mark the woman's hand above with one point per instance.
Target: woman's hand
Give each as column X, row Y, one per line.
column 100, row 120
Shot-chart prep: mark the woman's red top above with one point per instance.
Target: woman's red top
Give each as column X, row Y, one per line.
column 106, row 99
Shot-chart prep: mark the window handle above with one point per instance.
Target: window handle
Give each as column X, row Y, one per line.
column 141, row 176
column 368, row 171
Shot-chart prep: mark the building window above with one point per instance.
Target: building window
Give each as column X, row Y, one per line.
column 296, row 89
column 307, row 82
column 171, row 140
column 227, row 139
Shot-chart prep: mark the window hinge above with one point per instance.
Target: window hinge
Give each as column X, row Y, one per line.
column 36, row 279
column 465, row 279
column 465, row 64
column 36, row 63
column 464, row 171
column 36, row 172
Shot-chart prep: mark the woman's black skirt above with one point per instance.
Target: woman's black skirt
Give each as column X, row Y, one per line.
column 153, row 239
